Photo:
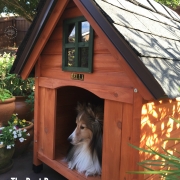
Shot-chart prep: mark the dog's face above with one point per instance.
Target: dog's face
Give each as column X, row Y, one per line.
column 82, row 133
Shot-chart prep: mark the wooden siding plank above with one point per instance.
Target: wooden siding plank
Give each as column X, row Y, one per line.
column 105, row 92
column 45, row 34
column 99, row 46
column 49, row 123
column 71, row 13
column 40, row 120
column 106, row 70
column 61, row 167
column 126, row 156
column 135, row 135
column 112, row 140
column 56, row 34
column 37, row 120
column 53, row 47
column 101, row 78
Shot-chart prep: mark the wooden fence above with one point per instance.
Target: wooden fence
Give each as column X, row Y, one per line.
column 12, row 31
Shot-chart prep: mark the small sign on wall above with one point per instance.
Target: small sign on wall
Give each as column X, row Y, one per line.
column 76, row 76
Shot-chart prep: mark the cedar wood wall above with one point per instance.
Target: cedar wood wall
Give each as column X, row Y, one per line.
column 121, row 119
column 105, row 68
column 157, row 125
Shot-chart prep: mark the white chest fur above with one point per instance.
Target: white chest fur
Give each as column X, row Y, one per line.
column 84, row 162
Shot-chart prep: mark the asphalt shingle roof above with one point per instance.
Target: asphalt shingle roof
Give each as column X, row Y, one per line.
column 153, row 32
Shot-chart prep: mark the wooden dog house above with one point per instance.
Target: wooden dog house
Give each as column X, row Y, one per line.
column 127, row 59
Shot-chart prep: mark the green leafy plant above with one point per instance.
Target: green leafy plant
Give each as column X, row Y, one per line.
column 24, row 8
column 30, row 100
column 170, row 3
column 5, row 94
column 168, row 164
column 10, row 134
column 16, row 85
column 18, row 123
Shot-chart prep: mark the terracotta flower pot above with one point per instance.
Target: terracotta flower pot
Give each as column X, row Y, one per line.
column 23, row 109
column 6, row 110
column 21, row 147
column 6, row 162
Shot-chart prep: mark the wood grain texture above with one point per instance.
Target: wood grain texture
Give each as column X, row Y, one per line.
column 130, row 135
column 126, row 152
column 49, row 122
column 40, row 119
column 62, row 168
column 135, row 137
column 46, row 122
column 102, row 91
column 112, row 134
column 36, row 161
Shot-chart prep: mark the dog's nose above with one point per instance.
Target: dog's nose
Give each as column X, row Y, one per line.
column 70, row 139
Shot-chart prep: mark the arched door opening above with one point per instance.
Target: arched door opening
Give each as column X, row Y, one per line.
column 67, row 100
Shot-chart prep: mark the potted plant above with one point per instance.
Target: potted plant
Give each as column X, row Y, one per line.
column 24, row 105
column 20, row 88
column 7, row 101
column 8, row 136
column 23, row 125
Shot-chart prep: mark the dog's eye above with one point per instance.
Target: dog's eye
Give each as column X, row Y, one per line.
column 82, row 127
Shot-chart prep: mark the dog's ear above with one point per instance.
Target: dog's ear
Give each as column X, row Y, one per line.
column 99, row 111
column 90, row 111
column 79, row 107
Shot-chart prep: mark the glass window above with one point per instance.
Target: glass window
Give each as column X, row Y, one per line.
column 71, row 57
column 71, row 32
column 85, row 30
column 77, row 45
column 83, row 58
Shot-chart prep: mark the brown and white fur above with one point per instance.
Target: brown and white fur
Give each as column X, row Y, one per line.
column 86, row 153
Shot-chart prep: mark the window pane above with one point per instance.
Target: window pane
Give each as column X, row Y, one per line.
column 71, row 57
column 85, row 29
column 71, row 33
column 83, row 57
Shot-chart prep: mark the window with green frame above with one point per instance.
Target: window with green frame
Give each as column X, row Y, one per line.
column 77, row 45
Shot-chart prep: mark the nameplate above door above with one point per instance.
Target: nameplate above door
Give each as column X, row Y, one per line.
column 75, row 76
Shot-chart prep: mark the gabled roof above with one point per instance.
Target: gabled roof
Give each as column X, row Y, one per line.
column 153, row 31
column 144, row 32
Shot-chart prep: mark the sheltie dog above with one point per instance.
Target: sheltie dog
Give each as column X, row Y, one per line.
column 85, row 154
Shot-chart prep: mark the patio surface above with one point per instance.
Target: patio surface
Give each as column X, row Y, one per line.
column 22, row 169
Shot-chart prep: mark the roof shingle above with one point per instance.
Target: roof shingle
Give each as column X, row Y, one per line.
column 153, row 32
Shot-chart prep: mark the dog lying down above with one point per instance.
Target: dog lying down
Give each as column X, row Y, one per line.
column 86, row 153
